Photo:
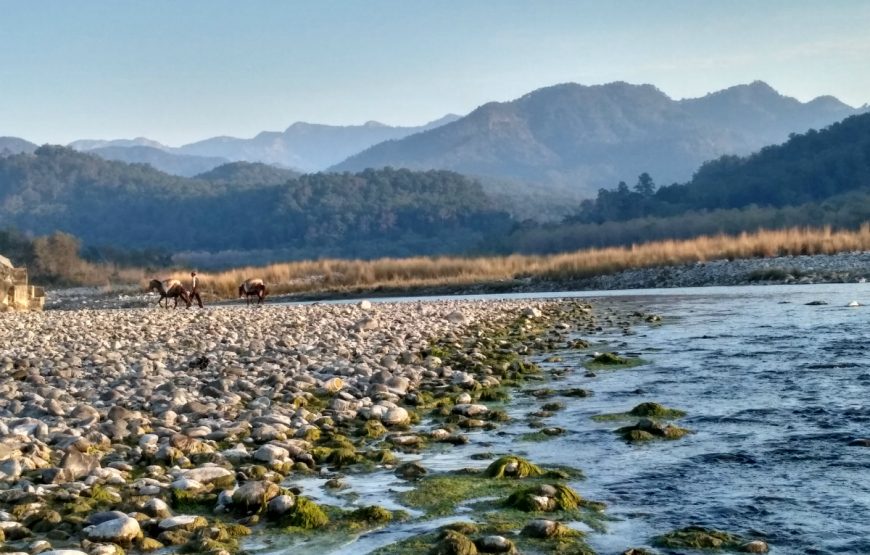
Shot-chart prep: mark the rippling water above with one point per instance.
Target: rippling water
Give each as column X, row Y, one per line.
column 774, row 390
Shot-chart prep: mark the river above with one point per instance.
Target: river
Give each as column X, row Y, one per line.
column 774, row 391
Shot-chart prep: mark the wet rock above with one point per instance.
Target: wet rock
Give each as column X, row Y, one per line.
column 280, row 505
column 494, row 544
column 182, row 523
column 755, row 546
column 411, row 470
column 254, row 495
column 470, row 410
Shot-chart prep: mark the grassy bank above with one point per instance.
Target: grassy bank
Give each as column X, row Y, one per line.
column 349, row 275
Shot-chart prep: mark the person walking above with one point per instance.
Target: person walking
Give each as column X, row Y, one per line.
column 194, row 289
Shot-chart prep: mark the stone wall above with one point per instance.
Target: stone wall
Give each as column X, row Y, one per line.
column 15, row 293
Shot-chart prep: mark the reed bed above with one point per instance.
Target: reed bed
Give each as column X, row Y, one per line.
column 334, row 275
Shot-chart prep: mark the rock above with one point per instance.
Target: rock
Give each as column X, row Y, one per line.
column 104, row 516
column 280, row 505
column 396, row 416
column 494, row 544
column 255, row 495
column 120, row 530
column 271, row 454
column 755, row 546
column 75, row 465
column 63, row 552
column 210, row 475
column 157, row 508
column 532, row 312
column 365, row 305
column 470, row 410
column 367, row 324
column 411, row 470
column 540, row 528
column 456, row 317
column 185, row 523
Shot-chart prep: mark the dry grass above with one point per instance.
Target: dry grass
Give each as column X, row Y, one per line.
column 348, row 275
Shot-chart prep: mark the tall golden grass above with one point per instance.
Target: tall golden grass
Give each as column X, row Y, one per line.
column 349, row 275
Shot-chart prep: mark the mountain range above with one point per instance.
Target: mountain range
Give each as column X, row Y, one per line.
column 588, row 137
column 304, row 147
column 544, row 150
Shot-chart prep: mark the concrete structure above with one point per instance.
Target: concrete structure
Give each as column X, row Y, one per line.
column 15, row 293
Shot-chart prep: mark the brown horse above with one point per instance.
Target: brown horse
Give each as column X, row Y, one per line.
column 253, row 288
column 169, row 289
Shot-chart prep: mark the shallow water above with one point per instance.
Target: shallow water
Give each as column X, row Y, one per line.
column 774, row 390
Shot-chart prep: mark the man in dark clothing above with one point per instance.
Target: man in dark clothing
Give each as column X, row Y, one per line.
column 194, row 289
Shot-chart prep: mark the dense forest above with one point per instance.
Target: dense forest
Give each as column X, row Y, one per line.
column 133, row 206
column 816, row 178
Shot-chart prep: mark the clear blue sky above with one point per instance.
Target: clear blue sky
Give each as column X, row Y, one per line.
column 178, row 71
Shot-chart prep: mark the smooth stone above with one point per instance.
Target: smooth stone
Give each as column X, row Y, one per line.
column 120, row 530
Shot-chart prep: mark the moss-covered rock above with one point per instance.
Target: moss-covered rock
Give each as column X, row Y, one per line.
column 544, row 498
column 372, row 514
column 643, row 410
column 648, row 430
column 453, row 543
column 373, row 429
column 343, row 456
column 149, row 544
column 511, row 466
column 307, row 514
column 699, row 537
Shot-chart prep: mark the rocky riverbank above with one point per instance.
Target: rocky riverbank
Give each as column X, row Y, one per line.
column 839, row 268
column 144, row 429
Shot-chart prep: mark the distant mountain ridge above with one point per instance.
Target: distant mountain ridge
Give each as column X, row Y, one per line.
column 14, row 145
column 169, row 162
column 307, row 147
column 593, row 136
column 303, row 147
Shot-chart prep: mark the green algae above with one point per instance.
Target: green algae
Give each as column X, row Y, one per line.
column 373, row 429
column 306, row 514
column 372, row 514
column 698, row 537
column 439, row 495
column 344, row 456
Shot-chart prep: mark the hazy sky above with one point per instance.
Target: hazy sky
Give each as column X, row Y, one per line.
column 178, row 71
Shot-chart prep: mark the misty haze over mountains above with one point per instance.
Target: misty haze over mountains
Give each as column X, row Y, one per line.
column 305, row 147
column 567, row 139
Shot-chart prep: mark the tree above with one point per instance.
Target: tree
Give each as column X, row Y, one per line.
column 645, row 185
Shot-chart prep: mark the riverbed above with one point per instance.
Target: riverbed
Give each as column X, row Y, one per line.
column 774, row 389
column 772, row 380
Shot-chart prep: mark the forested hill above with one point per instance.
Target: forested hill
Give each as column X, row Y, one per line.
column 808, row 168
column 371, row 213
column 594, row 136
column 814, row 179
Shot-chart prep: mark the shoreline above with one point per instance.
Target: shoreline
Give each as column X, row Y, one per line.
column 223, row 436
column 143, row 441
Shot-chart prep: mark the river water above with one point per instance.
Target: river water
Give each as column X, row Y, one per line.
column 774, row 391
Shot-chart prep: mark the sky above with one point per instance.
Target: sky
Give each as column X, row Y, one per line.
column 180, row 71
